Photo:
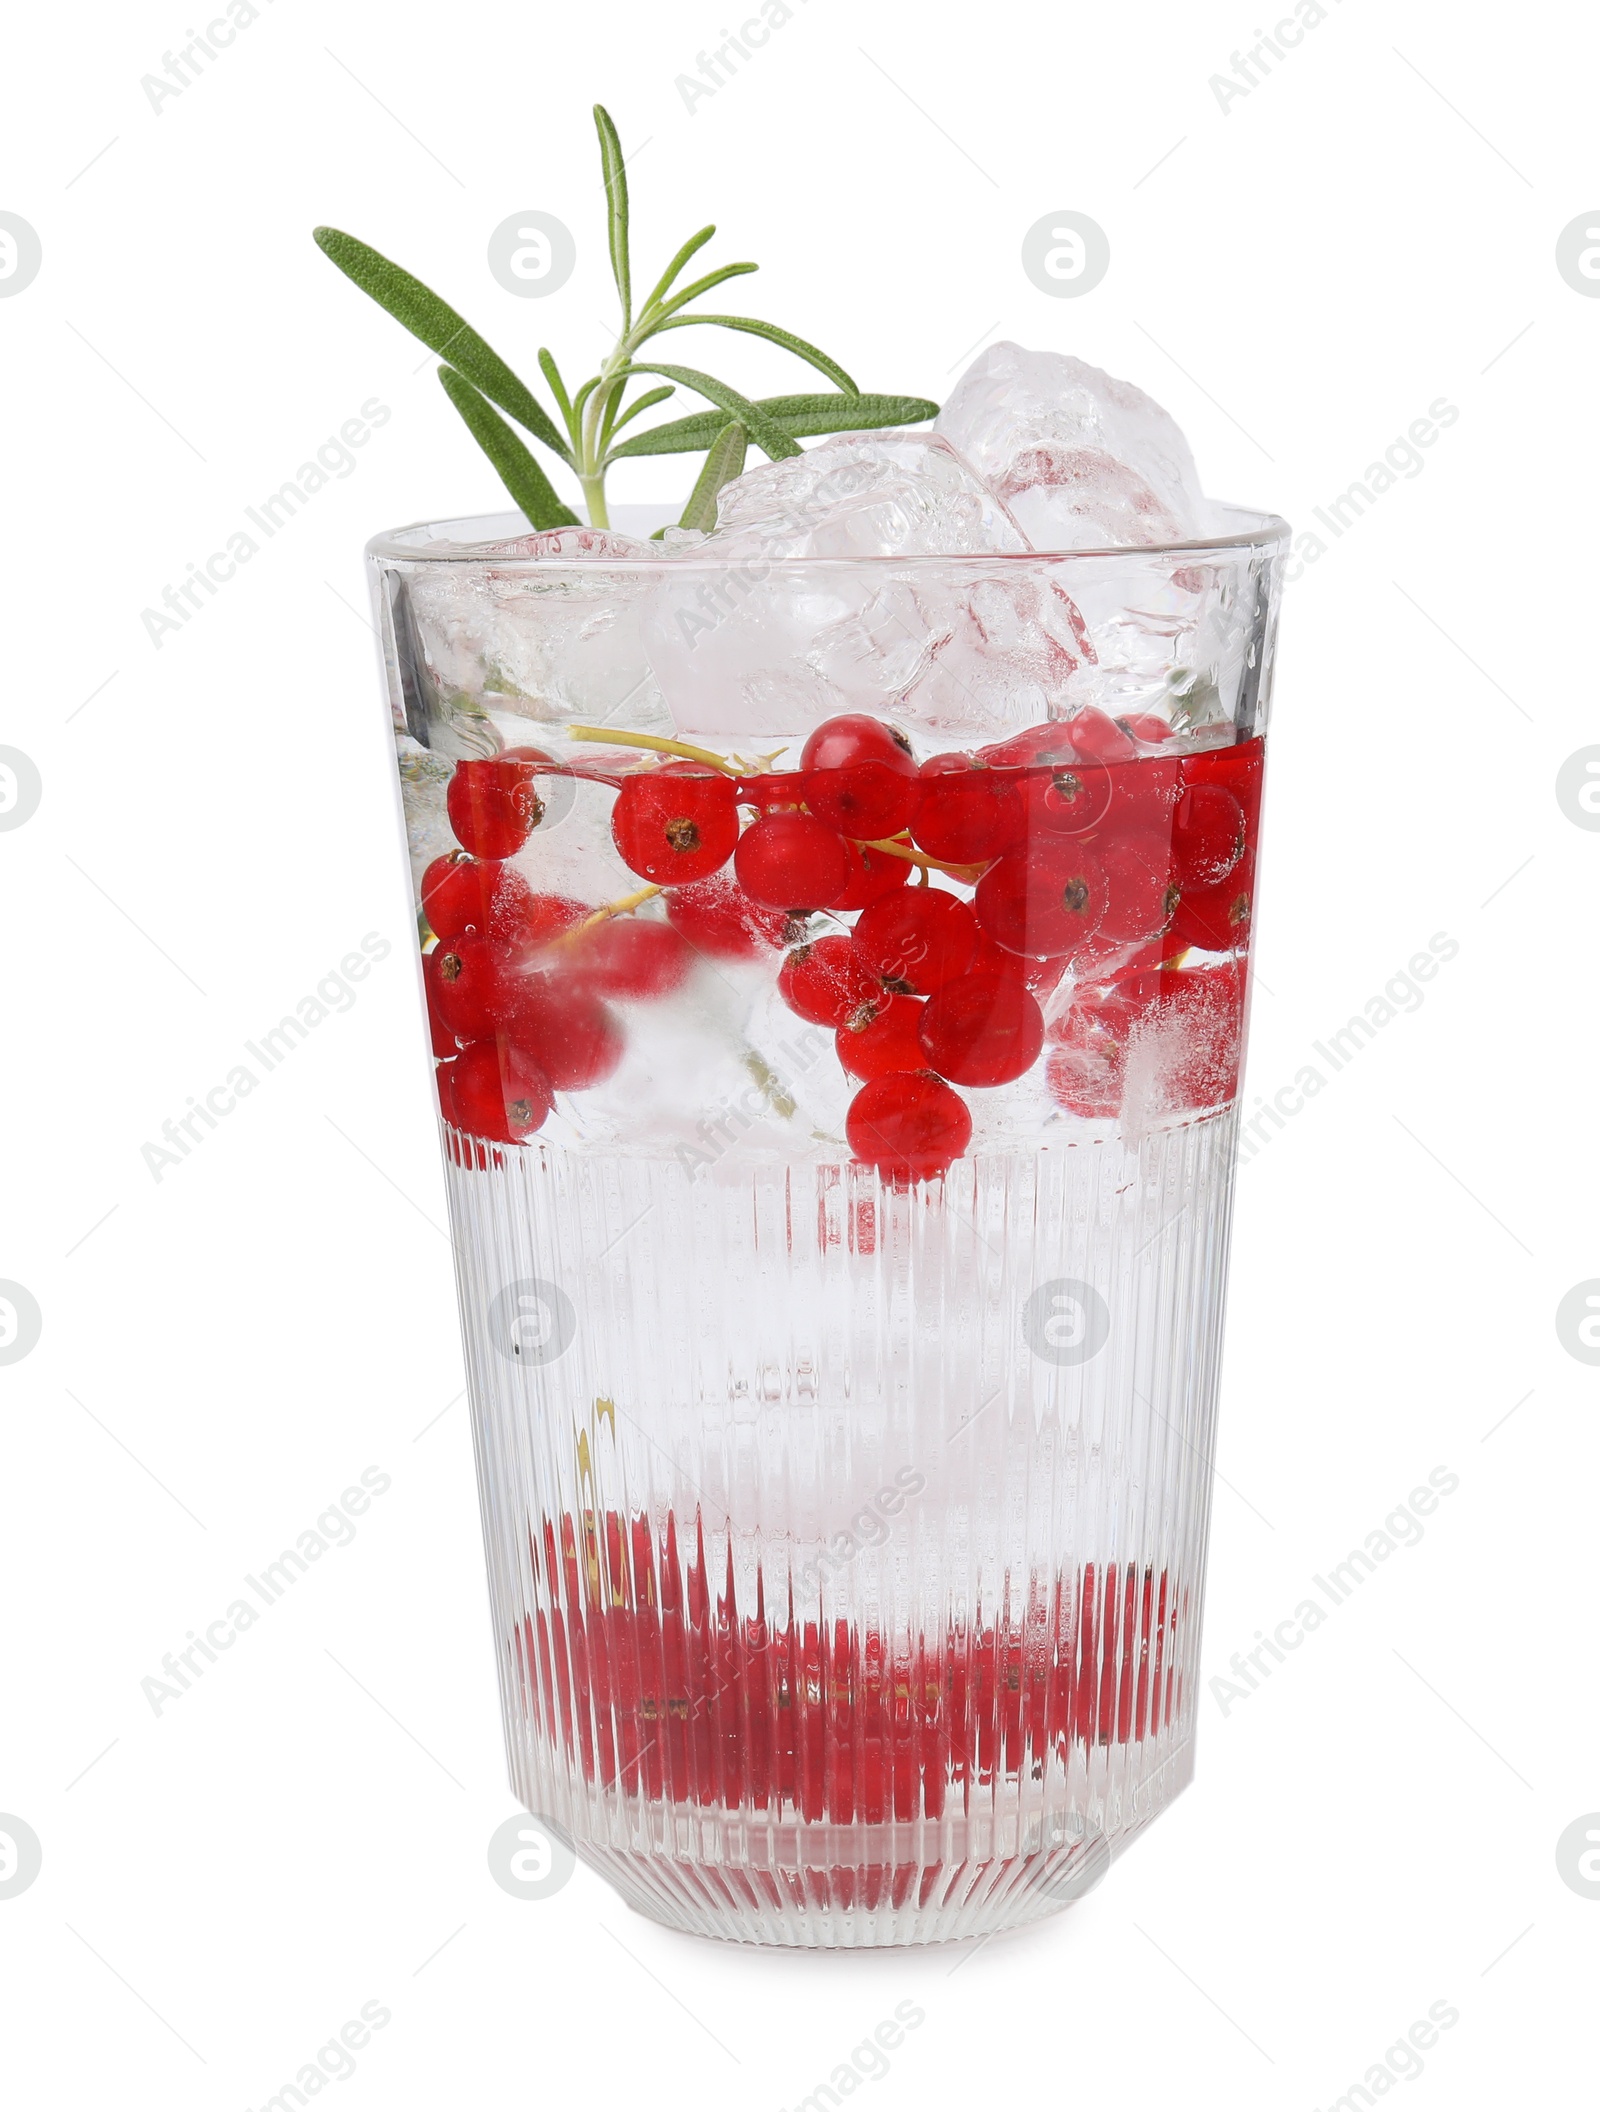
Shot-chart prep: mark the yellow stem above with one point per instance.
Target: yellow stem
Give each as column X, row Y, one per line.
column 968, row 875
column 654, row 741
column 619, row 908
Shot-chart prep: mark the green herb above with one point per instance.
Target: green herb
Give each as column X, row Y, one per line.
column 592, row 417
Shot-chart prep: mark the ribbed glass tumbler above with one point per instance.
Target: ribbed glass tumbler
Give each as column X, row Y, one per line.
column 837, row 975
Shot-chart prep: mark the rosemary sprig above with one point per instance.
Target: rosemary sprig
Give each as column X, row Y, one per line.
column 584, row 434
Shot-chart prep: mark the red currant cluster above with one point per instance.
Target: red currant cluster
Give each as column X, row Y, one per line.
column 1086, row 849
column 647, row 1667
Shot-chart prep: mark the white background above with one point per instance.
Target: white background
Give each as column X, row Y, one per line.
column 1374, row 1828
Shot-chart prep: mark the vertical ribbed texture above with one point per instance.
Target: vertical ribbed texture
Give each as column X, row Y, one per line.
column 829, row 1610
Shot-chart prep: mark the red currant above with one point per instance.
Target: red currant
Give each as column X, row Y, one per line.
column 671, row 827
column 1146, row 727
column 853, row 737
column 793, row 862
column 990, row 959
column 863, row 799
column 1143, row 794
column 630, row 958
column 965, row 810
column 497, row 1091
column 982, row 1030
column 917, row 939
column 717, row 917
column 466, row 894
column 1140, row 894
column 573, row 1038
column 494, row 806
column 874, row 874
column 470, row 986
column 827, row 981
column 1086, row 1070
column 1207, row 835
column 908, row 1124
column 1045, row 902
column 881, row 1036
column 1215, row 918
column 1237, row 769
column 1098, row 739
column 1185, row 1022
column 1049, row 743
column 544, row 919
column 1067, row 799
column 1205, row 1007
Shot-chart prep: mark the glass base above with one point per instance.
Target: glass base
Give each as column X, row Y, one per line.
column 861, row 1887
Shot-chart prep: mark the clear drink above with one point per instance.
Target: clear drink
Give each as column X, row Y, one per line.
column 837, row 1041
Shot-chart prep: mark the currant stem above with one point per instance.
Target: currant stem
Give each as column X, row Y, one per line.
column 653, row 741
column 968, row 875
column 607, row 910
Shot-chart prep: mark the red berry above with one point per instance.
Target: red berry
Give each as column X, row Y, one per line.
column 908, row 1125
column 1146, row 727
column 1143, row 794
column 990, row 959
column 466, row 894
column 1215, row 918
column 982, row 1030
column 965, row 811
column 860, row 776
column 853, row 737
column 629, row 957
column 792, row 862
column 1237, row 768
column 717, row 917
column 1185, row 1025
column 497, row 1091
column 1203, row 1011
column 1067, row 799
column 569, row 1033
column 494, row 806
column 1208, row 835
column 827, row 982
column 444, row 1041
column 531, row 755
column 1140, row 894
column 1046, row 902
column 1098, row 739
column 1049, row 743
column 1086, row 1070
column 546, row 918
column 672, row 827
column 470, row 986
column 874, row 875
column 862, row 800
column 917, row 939
column 881, row 1036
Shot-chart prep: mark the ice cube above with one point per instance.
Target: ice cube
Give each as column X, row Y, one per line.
column 1081, row 459
column 1010, row 649
column 554, row 642
column 747, row 649
column 861, row 495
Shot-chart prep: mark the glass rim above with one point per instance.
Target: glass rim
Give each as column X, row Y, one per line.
column 421, row 543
